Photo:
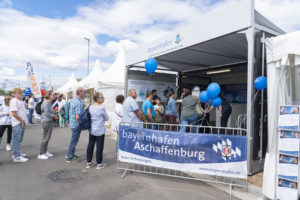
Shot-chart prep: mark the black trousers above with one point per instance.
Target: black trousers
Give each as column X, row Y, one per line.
column 99, row 140
column 9, row 132
column 225, row 117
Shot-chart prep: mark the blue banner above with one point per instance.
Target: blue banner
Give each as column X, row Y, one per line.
column 195, row 151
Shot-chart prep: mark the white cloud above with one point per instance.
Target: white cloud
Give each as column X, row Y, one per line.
column 59, row 44
column 6, row 71
column 284, row 13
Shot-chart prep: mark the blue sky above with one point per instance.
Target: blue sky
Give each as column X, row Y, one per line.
column 50, row 33
column 49, row 8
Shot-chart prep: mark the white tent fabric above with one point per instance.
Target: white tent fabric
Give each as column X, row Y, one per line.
column 110, row 82
column 94, row 78
column 70, row 86
column 283, row 59
column 114, row 76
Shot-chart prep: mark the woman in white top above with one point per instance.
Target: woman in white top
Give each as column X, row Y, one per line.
column 61, row 103
column 31, row 104
column 97, row 132
column 117, row 117
column 118, row 113
column 5, row 122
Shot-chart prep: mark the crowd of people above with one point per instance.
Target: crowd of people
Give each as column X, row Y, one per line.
column 189, row 112
column 16, row 112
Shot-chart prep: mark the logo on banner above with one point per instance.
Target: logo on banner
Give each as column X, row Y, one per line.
column 29, row 69
column 32, row 79
column 178, row 38
column 225, row 150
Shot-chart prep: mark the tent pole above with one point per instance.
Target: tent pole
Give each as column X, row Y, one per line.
column 126, row 81
column 250, row 38
column 262, row 100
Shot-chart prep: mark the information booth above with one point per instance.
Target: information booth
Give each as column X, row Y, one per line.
column 226, row 47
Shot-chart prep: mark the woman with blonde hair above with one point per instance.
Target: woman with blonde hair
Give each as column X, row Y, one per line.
column 5, row 122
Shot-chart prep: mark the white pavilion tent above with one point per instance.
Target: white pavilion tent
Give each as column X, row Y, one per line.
column 229, row 38
column 110, row 82
column 283, row 68
column 70, row 86
column 92, row 81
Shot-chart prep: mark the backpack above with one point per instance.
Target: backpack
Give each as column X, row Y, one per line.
column 38, row 108
column 62, row 111
column 85, row 119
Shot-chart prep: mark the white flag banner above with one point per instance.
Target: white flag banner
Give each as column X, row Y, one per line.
column 35, row 89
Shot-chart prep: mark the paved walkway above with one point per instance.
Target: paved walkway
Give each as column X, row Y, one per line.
column 35, row 180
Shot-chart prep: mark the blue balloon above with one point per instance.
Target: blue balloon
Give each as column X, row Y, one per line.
column 203, row 96
column 151, row 65
column 216, row 102
column 260, row 83
column 213, row 90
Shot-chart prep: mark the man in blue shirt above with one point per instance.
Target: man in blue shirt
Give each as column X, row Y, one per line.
column 148, row 109
column 76, row 107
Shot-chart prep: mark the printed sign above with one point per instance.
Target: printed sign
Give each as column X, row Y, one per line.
column 32, row 79
column 289, row 117
column 220, row 155
column 288, row 153
column 142, row 86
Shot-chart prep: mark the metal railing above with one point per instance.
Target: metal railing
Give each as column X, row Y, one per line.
column 241, row 121
column 196, row 129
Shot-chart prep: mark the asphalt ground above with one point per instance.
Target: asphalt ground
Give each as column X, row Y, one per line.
column 54, row 179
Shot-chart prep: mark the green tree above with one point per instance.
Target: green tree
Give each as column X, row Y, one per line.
column 2, row 92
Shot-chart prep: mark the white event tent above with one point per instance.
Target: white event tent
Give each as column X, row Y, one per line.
column 110, row 82
column 93, row 79
column 283, row 68
column 229, row 39
column 70, row 86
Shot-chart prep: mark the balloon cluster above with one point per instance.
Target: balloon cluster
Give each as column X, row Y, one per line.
column 212, row 93
column 151, row 65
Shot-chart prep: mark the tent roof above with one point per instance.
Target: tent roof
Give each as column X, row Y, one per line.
column 94, row 78
column 114, row 76
column 284, row 46
column 69, row 86
column 216, row 39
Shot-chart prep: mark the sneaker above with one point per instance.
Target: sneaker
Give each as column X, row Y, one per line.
column 73, row 156
column 48, row 154
column 8, row 148
column 22, row 155
column 71, row 160
column 89, row 165
column 42, row 157
column 101, row 166
column 20, row 159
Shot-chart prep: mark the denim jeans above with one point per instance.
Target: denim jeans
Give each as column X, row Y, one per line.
column 185, row 121
column 74, row 140
column 99, row 140
column 18, row 134
column 30, row 110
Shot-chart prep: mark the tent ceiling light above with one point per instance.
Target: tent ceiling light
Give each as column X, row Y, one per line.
column 218, row 71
